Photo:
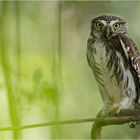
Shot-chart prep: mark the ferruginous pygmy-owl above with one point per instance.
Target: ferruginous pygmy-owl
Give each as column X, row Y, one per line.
column 115, row 62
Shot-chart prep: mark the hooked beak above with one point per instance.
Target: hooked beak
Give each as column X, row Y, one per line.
column 107, row 32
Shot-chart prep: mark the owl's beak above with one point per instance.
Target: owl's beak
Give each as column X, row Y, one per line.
column 107, row 32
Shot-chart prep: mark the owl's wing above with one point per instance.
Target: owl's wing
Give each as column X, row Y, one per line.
column 132, row 53
column 133, row 56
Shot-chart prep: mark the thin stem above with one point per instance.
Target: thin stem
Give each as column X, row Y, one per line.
column 18, row 39
column 59, row 39
column 7, row 72
column 57, row 77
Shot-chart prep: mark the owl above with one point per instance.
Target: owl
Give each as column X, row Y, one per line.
column 115, row 62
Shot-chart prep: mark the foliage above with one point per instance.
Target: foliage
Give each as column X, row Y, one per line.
column 44, row 75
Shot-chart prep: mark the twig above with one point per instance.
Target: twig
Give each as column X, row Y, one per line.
column 50, row 124
column 130, row 115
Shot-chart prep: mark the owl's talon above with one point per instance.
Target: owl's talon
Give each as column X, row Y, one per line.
column 113, row 111
column 103, row 114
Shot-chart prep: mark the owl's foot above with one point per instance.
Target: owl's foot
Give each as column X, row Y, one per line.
column 111, row 111
column 102, row 114
column 115, row 110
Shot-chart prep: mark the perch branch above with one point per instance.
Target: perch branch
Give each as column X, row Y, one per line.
column 124, row 117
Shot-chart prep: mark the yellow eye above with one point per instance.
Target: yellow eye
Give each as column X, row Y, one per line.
column 99, row 25
column 116, row 26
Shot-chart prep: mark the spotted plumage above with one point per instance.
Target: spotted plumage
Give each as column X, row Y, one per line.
column 115, row 62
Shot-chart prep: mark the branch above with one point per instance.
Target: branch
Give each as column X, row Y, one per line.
column 51, row 124
column 124, row 117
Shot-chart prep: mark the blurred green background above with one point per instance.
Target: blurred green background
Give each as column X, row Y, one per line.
column 44, row 75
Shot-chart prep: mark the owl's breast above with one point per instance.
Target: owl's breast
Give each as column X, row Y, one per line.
column 114, row 79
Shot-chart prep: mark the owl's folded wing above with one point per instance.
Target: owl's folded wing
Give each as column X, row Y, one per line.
column 134, row 59
column 133, row 54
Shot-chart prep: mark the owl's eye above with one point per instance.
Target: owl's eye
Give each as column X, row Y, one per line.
column 116, row 26
column 99, row 25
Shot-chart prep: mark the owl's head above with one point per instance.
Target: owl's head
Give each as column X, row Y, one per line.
column 106, row 26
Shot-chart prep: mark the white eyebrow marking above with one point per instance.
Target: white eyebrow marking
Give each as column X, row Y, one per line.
column 102, row 21
column 112, row 22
